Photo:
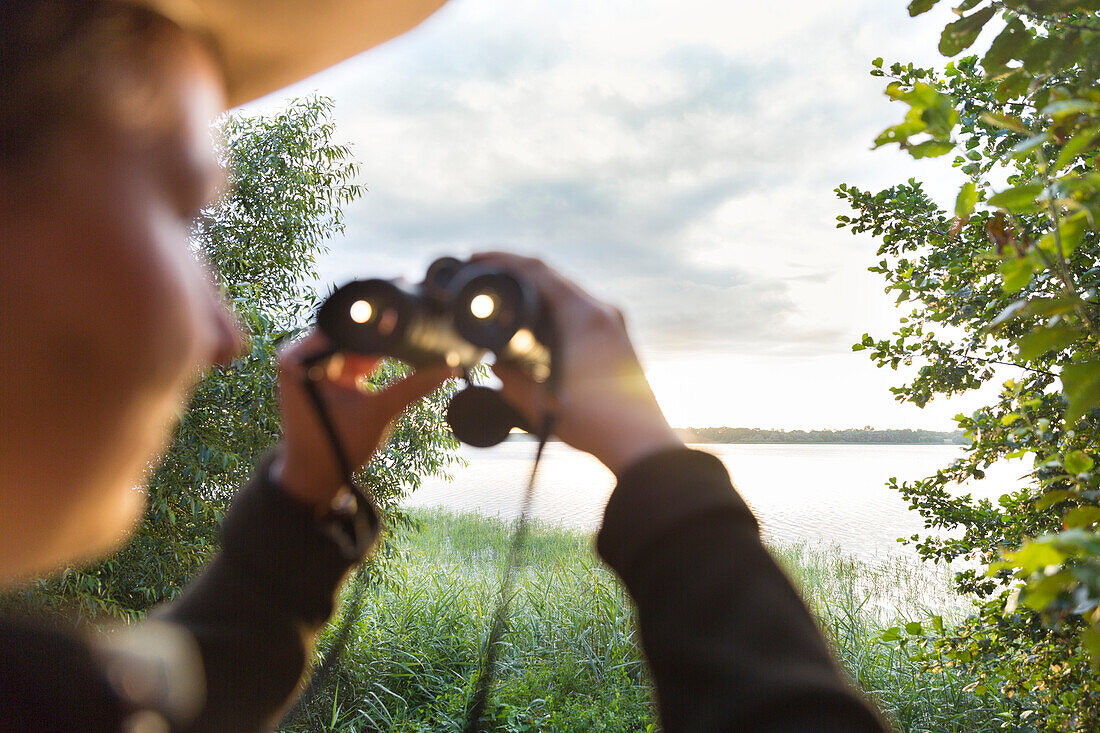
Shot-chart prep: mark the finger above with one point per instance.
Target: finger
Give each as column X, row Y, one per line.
column 550, row 284
column 348, row 370
column 399, row 395
column 292, row 356
column 342, row 368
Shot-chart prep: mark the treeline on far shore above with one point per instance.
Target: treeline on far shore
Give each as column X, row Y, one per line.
column 851, row 435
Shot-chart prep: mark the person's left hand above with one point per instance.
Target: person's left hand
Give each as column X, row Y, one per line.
column 306, row 466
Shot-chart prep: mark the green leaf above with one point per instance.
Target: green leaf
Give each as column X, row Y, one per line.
column 877, row 63
column 1051, row 306
column 1075, row 541
column 1070, row 232
column 937, row 623
column 1033, row 556
column 1038, row 54
column 1090, row 639
column 917, row 7
column 1041, row 592
column 1018, row 198
column 1049, row 499
column 929, row 107
column 1012, row 85
column 961, row 34
column 930, row 149
column 1016, row 274
column 1011, row 312
column 1065, row 107
column 921, row 95
column 1075, row 146
column 900, row 133
column 1005, row 47
column 1081, row 387
column 1082, row 516
column 1024, row 147
column 941, row 118
column 966, row 200
column 914, row 628
column 1079, row 188
column 1043, row 340
column 1077, row 462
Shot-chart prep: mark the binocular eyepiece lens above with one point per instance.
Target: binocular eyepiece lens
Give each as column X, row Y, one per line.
column 361, row 311
column 490, row 306
column 483, row 306
column 460, row 311
column 367, row 316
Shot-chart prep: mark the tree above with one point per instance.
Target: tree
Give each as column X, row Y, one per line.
column 1006, row 283
column 291, row 181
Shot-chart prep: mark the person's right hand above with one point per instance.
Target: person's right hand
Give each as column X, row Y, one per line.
column 604, row 404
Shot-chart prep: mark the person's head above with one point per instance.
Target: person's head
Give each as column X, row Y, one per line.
column 105, row 159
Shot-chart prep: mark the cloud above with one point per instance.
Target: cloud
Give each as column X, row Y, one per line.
column 676, row 158
column 683, row 316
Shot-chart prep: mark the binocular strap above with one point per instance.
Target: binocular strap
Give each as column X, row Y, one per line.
column 352, row 610
column 487, row 671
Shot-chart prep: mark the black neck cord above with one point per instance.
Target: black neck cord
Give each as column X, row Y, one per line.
column 487, row 671
column 354, row 608
column 487, row 668
column 309, row 382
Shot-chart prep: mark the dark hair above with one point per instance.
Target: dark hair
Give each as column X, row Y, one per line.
column 67, row 64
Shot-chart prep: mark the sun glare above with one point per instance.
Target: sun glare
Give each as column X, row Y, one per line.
column 361, row 311
column 482, row 306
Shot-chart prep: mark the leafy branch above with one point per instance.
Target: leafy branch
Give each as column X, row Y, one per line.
column 1014, row 280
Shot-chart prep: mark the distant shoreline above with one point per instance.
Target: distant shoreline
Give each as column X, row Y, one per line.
column 758, row 436
column 854, row 436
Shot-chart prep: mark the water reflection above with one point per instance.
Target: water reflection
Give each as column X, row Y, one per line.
column 816, row 495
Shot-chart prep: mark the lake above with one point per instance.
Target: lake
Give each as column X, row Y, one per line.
column 819, row 495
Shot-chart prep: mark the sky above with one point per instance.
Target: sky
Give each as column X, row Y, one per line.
column 677, row 159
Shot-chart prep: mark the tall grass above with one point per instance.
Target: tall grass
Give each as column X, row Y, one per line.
column 855, row 600
column 571, row 658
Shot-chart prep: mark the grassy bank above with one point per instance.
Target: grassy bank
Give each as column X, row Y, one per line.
column 571, row 659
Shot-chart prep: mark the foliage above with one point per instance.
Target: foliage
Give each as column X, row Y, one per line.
column 291, row 181
column 572, row 660
column 1006, row 281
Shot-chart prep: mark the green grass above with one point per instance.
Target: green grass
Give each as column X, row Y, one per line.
column 571, row 659
column 854, row 601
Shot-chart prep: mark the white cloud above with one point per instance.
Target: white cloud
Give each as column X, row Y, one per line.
column 677, row 158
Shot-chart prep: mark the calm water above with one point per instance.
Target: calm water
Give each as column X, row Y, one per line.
column 820, row 495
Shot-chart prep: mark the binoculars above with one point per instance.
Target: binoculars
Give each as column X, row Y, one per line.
column 457, row 315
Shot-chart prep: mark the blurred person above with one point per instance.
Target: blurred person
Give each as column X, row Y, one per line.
column 105, row 161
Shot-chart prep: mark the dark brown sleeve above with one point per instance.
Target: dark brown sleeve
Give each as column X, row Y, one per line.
column 255, row 607
column 50, row 681
column 729, row 642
